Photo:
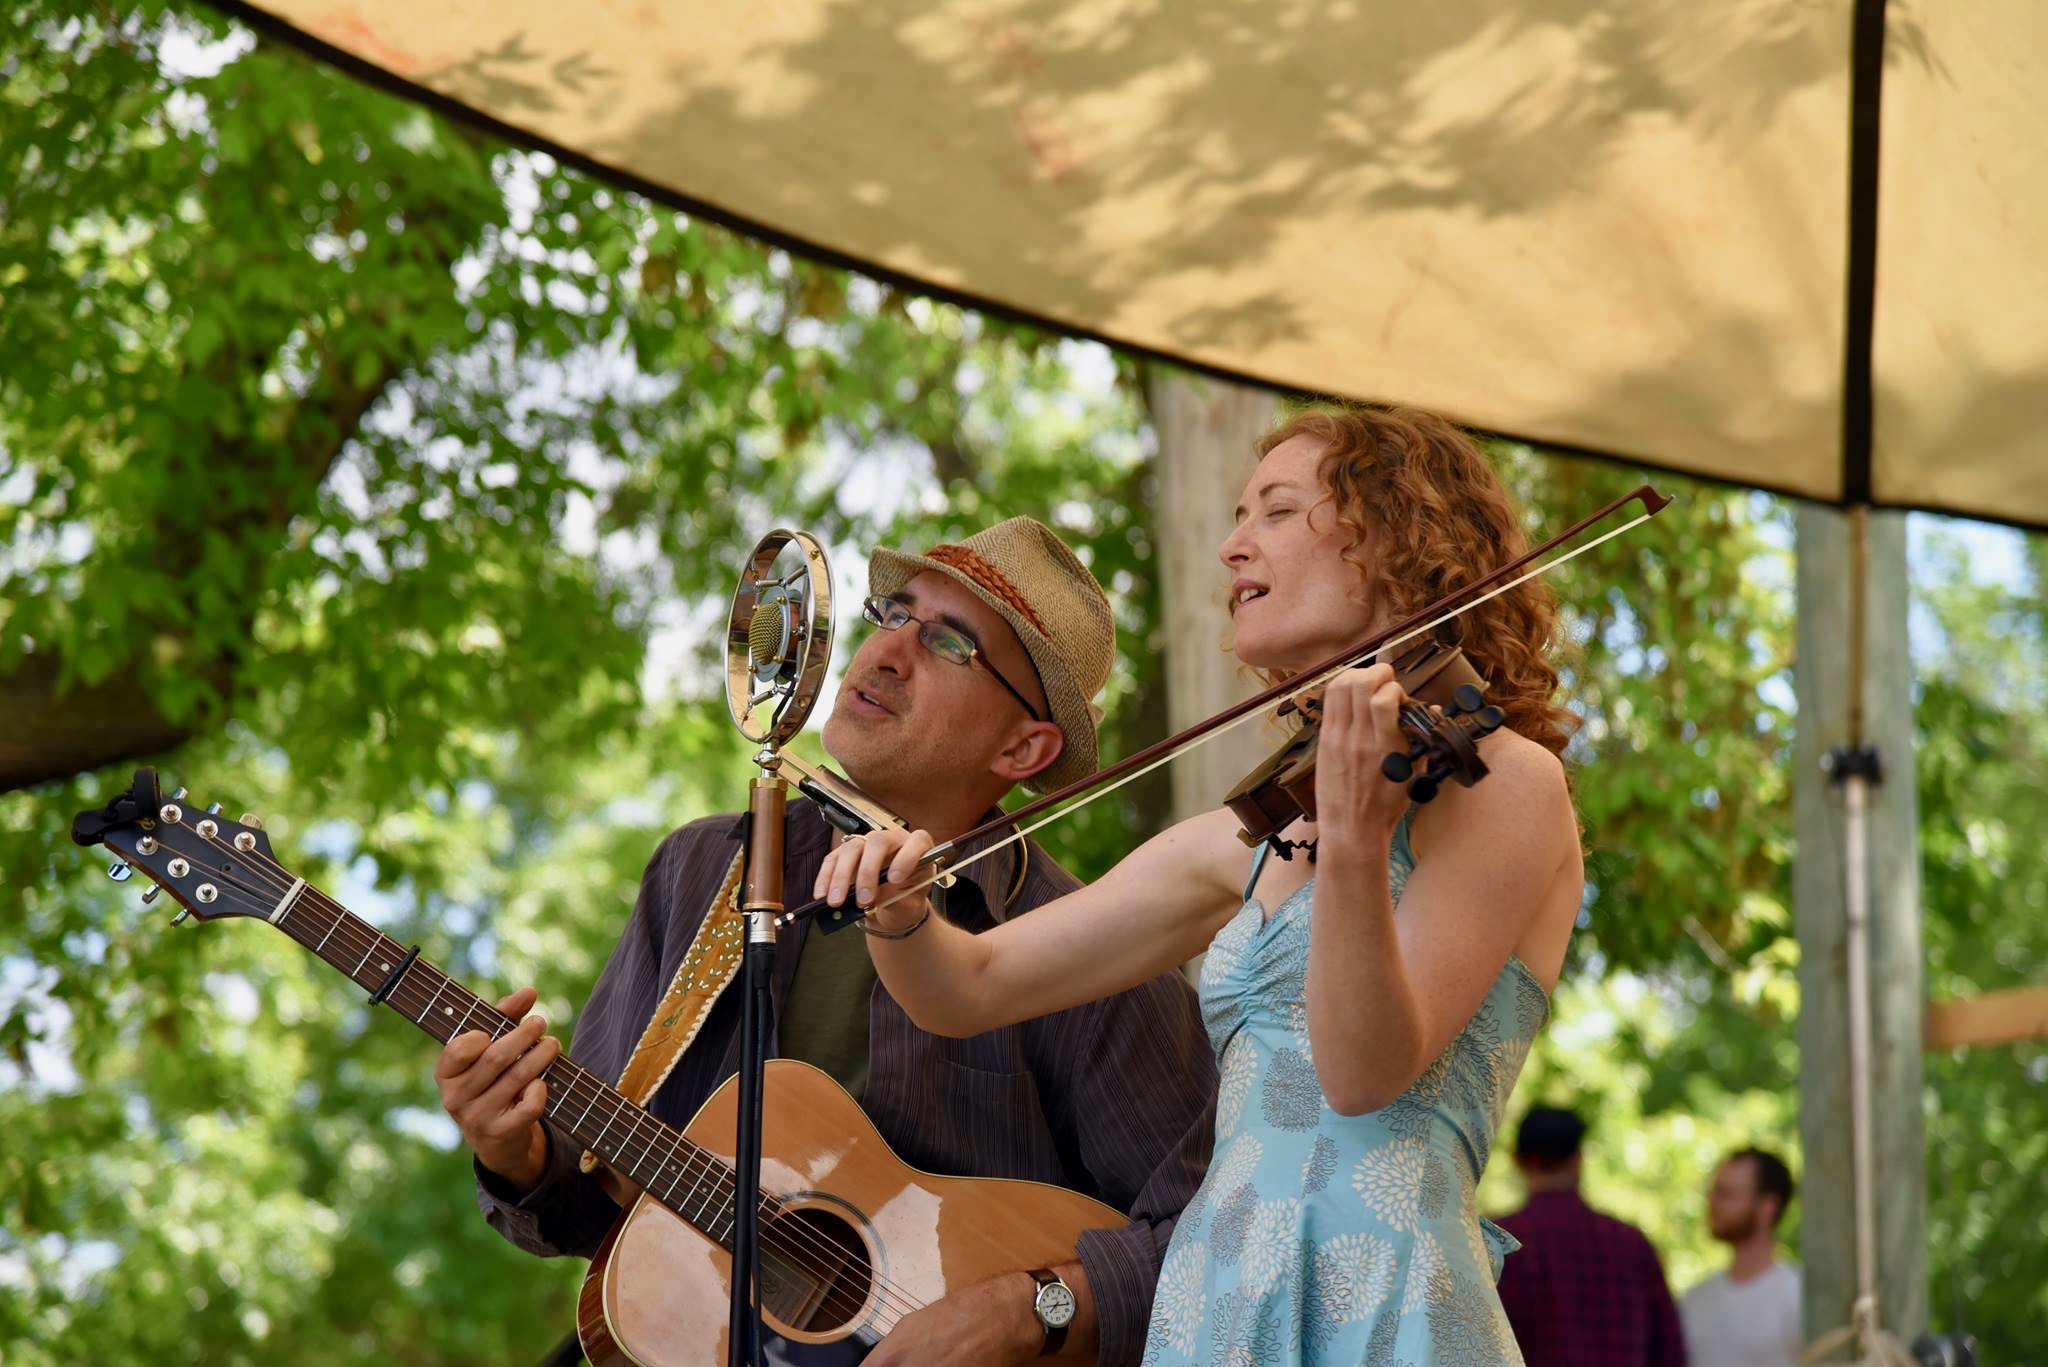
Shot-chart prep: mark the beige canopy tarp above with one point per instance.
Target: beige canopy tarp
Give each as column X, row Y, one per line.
column 1623, row 226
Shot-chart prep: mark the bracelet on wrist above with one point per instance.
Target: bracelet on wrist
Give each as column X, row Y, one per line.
column 902, row 934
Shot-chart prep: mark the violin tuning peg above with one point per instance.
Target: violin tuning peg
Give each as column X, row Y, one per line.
column 1490, row 719
column 1423, row 789
column 1397, row 767
column 1466, row 698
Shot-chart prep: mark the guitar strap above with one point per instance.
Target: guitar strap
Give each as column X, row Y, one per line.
column 711, row 963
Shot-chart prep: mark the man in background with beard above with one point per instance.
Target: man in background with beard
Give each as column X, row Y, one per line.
column 1747, row 1316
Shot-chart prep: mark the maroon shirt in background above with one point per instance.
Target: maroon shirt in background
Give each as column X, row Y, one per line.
column 1115, row 1099
column 1586, row 1289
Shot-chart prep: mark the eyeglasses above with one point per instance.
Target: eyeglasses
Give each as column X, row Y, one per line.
column 951, row 645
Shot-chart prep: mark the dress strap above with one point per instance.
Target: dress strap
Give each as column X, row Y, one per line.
column 1258, row 866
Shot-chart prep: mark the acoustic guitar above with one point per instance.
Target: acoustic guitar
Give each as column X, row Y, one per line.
column 852, row 1238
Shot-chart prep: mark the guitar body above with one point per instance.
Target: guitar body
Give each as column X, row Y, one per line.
column 861, row 1240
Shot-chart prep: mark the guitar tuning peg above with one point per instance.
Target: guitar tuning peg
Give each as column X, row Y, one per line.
column 150, row 896
column 252, row 821
column 214, row 810
column 184, row 915
column 120, row 871
column 178, row 796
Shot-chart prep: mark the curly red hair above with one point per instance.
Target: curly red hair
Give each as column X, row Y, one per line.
column 1430, row 515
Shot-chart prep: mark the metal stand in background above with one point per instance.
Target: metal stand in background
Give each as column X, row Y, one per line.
column 762, row 903
column 1854, row 769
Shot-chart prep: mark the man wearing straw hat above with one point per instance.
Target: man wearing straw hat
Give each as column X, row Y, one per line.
column 980, row 675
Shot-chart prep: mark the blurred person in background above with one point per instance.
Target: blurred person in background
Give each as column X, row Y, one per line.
column 1747, row 1316
column 1584, row 1289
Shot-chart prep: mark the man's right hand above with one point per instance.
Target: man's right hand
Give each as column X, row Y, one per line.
column 493, row 1092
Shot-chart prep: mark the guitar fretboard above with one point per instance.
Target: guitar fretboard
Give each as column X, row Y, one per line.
column 691, row 1181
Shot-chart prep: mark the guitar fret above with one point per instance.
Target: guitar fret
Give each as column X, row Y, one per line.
column 586, row 1111
column 427, row 1012
column 332, row 927
column 600, row 1134
column 707, row 1193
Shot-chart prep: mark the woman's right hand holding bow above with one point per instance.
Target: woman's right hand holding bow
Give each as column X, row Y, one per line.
column 860, row 863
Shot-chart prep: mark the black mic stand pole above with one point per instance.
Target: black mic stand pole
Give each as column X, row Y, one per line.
column 762, row 904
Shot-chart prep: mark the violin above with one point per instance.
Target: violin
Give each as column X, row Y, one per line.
column 1444, row 713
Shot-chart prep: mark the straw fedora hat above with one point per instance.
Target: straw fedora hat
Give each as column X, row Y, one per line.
column 1032, row 580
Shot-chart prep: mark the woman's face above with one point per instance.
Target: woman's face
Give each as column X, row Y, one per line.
column 1294, row 599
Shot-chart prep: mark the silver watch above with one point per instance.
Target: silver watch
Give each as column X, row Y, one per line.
column 1054, row 1305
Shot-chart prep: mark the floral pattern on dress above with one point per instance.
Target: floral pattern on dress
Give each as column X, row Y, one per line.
column 1234, row 1084
column 1322, row 1240
column 1389, row 1178
column 1271, row 1244
column 1180, row 1302
column 1290, row 1097
column 1320, row 1167
column 1233, row 1218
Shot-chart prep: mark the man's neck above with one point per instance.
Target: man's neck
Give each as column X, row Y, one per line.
column 1753, row 1257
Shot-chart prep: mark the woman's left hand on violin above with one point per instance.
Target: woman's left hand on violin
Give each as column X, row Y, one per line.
column 1361, row 726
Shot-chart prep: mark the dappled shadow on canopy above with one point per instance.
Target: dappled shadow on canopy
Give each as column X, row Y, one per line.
column 1614, row 226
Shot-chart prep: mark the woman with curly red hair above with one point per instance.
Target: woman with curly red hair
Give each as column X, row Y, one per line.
column 1371, row 1006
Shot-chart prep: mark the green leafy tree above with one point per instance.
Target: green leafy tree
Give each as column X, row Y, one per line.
column 389, row 482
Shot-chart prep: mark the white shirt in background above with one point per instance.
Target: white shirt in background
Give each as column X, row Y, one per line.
column 1744, row 1324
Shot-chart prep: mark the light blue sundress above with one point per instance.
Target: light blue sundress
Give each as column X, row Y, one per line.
column 1318, row 1238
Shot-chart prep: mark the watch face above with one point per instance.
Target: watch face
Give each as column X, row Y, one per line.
column 1056, row 1305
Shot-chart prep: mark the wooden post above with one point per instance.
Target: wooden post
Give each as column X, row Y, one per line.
column 1205, row 430
column 1824, row 678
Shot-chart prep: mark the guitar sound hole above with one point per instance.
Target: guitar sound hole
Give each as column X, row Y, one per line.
column 815, row 1274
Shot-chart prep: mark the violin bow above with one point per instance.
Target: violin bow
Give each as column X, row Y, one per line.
column 1135, row 766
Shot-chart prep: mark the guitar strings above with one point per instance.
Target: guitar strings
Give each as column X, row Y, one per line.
column 696, row 1163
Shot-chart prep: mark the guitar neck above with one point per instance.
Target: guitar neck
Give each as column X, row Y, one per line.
column 691, row 1181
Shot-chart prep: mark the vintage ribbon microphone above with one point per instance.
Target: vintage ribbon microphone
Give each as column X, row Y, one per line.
column 778, row 644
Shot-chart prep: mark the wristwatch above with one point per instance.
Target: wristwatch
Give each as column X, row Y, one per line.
column 1054, row 1306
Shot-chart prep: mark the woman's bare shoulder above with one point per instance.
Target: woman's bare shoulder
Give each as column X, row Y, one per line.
column 1524, row 781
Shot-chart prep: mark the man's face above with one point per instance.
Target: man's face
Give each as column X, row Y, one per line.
column 1734, row 1210
column 906, row 718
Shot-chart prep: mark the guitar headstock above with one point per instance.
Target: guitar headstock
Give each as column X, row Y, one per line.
column 211, row 866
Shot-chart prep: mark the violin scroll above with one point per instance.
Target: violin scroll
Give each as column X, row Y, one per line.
column 1446, row 746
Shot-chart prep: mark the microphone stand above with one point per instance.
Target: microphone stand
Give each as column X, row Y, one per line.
column 761, row 904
